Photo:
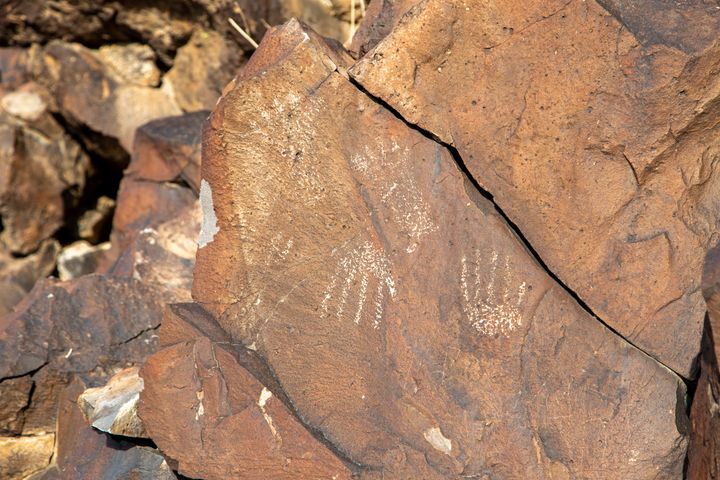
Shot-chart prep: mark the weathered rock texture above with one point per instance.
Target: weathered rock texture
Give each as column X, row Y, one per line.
column 82, row 452
column 594, row 126
column 401, row 315
column 112, row 408
column 244, row 429
column 704, row 454
column 41, row 170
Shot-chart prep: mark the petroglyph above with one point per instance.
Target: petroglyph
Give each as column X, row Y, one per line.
column 400, row 194
column 359, row 284
column 496, row 306
column 409, row 210
column 280, row 247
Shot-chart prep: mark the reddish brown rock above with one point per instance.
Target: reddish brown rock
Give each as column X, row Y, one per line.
column 83, row 452
column 400, row 314
column 42, row 171
column 594, row 126
column 198, row 392
column 704, row 451
column 92, row 92
column 201, row 69
column 168, row 150
column 18, row 275
column 381, row 18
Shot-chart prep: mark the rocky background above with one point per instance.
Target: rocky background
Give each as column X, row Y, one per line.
column 408, row 239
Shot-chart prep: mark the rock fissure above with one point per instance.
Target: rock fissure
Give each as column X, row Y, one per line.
column 488, row 195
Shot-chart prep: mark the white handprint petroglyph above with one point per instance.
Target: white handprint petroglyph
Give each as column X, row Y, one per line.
column 357, row 272
column 489, row 310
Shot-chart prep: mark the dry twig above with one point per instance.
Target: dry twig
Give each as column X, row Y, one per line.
column 242, row 32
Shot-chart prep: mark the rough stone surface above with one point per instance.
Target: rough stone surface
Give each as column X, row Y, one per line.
column 112, row 408
column 201, row 69
column 90, row 92
column 199, row 392
column 83, row 452
column 80, row 258
column 402, row 317
column 22, row 456
column 382, row 16
column 704, row 452
column 594, row 126
column 168, row 150
column 18, row 275
column 42, row 171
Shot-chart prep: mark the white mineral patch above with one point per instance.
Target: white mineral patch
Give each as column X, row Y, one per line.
column 209, row 227
column 439, row 442
column 26, row 105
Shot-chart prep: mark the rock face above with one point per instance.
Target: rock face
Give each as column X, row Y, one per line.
column 113, row 408
column 82, row 452
column 106, row 92
column 594, row 126
column 41, row 170
column 199, row 391
column 402, row 317
column 704, row 454
column 18, row 275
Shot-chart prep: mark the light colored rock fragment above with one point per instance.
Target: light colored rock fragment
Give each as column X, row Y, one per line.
column 28, row 106
column 80, row 258
column 113, row 408
column 133, row 63
column 25, row 455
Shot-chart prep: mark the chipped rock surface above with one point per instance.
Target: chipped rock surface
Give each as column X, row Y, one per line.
column 704, row 452
column 90, row 91
column 594, row 126
column 79, row 258
column 402, row 317
column 200, row 390
column 83, row 452
column 112, row 408
column 40, row 164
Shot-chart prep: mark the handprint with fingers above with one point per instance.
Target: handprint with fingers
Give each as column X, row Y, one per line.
column 493, row 306
column 362, row 276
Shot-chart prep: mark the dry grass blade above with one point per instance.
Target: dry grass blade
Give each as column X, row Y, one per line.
column 242, row 32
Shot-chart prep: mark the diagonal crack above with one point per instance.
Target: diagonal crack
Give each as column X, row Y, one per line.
column 487, row 195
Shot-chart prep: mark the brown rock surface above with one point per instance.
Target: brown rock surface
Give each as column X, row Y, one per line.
column 201, row 69
column 381, row 17
column 18, row 275
column 83, row 452
column 90, row 91
column 42, row 170
column 23, row 456
column 198, row 392
column 400, row 314
column 594, row 126
column 168, row 150
column 704, row 452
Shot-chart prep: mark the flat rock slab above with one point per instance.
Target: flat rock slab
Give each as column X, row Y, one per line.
column 401, row 316
column 203, row 409
column 594, row 126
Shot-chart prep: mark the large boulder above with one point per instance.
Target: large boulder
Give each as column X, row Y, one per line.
column 401, row 315
column 594, row 127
